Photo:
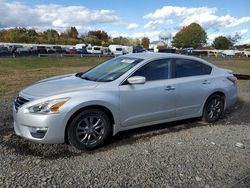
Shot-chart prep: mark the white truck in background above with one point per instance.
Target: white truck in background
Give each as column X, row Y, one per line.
column 80, row 46
column 89, row 49
column 127, row 49
column 106, row 51
column 116, row 49
column 228, row 52
column 246, row 53
column 94, row 49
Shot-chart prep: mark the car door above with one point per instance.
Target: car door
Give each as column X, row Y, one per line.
column 192, row 84
column 149, row 102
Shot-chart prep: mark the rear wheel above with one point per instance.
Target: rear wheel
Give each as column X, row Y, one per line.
column 89, row 129
column 213, row 108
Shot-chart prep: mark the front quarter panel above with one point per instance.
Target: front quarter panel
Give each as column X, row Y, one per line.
column 108, row 99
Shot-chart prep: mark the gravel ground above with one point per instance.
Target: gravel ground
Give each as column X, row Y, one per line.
column 181, row 154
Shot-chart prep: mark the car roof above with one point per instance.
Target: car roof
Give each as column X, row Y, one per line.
column 151, row 56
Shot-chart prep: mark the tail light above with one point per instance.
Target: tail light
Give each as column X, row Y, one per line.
column 232, row 79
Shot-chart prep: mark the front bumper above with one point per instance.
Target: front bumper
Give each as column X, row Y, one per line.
column 40, row 128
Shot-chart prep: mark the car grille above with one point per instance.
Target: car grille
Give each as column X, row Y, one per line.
column 19, row 102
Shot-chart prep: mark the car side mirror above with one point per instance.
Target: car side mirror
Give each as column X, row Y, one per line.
column 136, row 80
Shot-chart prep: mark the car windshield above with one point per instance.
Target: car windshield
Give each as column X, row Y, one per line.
column 111, row 69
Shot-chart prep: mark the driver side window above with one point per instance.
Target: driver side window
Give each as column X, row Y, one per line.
column 155, row 70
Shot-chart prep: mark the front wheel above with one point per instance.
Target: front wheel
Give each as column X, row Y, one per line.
column 213, row 108
column 89, row 129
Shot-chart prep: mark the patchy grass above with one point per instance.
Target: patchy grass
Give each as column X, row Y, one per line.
column 16, row 73
column 237, row 65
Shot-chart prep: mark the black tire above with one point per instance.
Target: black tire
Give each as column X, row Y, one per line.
column 84, row 131
column 213, row 109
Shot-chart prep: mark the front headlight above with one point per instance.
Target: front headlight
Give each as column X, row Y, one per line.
column 51, row 106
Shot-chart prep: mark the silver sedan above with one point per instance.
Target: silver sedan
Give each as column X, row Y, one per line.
column 123, row 93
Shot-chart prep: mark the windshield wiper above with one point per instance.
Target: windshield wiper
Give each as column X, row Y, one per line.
column 86, row 78
column 79, row 74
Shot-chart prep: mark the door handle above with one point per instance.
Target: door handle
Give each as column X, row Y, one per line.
column 206, row 82
column 169, row 88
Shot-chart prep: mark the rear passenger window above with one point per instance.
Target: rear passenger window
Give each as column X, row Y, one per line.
column 185, row 67
column 155, row 70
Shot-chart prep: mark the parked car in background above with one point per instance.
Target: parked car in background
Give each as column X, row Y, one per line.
column 58, row 49
column 167, row 50
column 23, row 51
column 80, row 46
column 138, row 49
column 216, row 54
column 106, row 51
column 4, row 50
column 96, row 50
column 127, row 49
column 82, row 51
column 228, row 52
column 89, row 49
column 14, row 47
column 39, row 50
column 50, row 50
column 126, row 92
column 246, row 53
column 72, row 51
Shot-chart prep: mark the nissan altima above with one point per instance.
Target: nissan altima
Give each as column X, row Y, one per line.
column 126, row 92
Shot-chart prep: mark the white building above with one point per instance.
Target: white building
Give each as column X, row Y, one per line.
column 154, row 45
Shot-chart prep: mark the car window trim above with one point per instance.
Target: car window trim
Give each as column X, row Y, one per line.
column 150, row 61
column 174, row 67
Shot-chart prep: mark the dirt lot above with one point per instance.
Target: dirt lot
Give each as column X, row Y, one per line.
column 186, row 153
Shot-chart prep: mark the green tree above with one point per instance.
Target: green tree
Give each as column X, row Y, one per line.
column 72, row 33
column 64, row 38
column 32, row 36
column 136, row 42
column 3, row 34
column 101, row 35
column 121, row 41
column 192, row 35
column 50, row 36
column 234, row 39
column 93, row 40
column 17, row 35
column 145, row 42
column 222, row 43
column 96, row 38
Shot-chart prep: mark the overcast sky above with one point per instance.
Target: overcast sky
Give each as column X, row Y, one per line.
column 130, row 18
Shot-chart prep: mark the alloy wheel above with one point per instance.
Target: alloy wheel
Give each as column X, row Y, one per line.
column 214, row 109
column 90, row 130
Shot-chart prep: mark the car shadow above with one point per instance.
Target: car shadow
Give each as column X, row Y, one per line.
column 14, row 144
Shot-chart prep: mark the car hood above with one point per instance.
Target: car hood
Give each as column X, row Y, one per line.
column 57, row 85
